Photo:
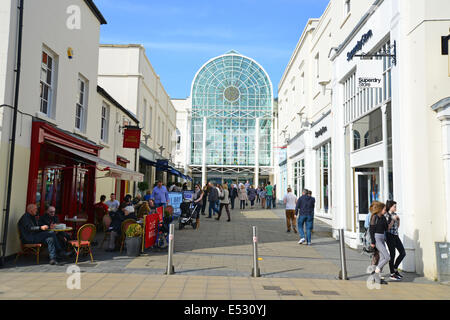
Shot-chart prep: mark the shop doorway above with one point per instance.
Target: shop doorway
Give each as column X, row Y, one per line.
column 367, row 190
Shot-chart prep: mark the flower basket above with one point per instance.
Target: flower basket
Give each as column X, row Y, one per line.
column 133, row 240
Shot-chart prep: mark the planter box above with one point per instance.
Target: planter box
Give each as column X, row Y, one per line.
column 133, row 246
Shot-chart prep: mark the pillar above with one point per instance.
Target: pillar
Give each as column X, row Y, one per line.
column 256, row 182
column 385, row 178
column 204, row 153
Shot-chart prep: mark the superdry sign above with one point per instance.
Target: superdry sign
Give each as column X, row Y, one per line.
column 132, row 138
column 359, row 45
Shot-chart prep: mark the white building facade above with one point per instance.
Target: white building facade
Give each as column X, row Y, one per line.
column 137, row 87
column 383, row 141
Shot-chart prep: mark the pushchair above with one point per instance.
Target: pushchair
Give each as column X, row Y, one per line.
column 162, row 235
column 189, row 215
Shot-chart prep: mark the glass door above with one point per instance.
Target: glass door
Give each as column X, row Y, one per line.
column 367, row 190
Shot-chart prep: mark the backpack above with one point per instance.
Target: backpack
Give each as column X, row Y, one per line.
column 367, row 240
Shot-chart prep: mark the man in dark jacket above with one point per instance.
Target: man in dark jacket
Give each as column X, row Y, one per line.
column 305, row 210
column 233, row 195
column 50, row 219
column 32, row 232
column 213, row 198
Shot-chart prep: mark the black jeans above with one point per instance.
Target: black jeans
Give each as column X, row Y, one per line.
column 232, row 203
column 252, row 202
column 242, row 204
column 52, row 242
column 394, row 242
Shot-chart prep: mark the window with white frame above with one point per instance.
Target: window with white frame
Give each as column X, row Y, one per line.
column 150, row 121
column 178, row 139
column 104, row 126
column 81, row 105
column 47, row 83
column 324, row 153
column 303, row 83
column 316, row 59
column 158, row 132
column 299, row 177
column 144, row 115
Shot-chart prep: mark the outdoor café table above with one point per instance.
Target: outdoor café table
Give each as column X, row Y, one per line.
column 75, row 224
column 61, row 230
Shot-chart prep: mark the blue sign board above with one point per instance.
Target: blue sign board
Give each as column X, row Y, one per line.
column 188, row 195
column 175, row 199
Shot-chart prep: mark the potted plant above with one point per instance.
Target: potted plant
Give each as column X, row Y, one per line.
column 133, row 239
column 143, row 186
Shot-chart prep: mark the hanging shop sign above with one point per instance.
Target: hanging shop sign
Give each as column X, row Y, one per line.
column 369, row 74
column 131, row 138
column 359, row 45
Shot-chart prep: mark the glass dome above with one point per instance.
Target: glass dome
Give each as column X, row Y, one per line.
column 231, row 91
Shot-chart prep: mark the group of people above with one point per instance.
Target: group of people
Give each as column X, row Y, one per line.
column 302, row 210
column 383, row 223
column 220, row 196
column 35, row 230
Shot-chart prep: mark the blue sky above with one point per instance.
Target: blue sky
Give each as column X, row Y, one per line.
column 180, row 36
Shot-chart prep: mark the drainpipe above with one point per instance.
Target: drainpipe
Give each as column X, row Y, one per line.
column 13, row 136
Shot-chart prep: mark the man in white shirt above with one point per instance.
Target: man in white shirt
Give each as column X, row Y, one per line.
column 113, row 204
column 290, row 200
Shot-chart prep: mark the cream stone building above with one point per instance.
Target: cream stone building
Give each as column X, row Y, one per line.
column 58, row 144
column 373, row 129
column 137, row 87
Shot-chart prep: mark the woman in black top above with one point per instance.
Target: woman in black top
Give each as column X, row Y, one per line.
column 378, row 227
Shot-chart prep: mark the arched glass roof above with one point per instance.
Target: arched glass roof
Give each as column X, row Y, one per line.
column 232, row 91
column 232, row 85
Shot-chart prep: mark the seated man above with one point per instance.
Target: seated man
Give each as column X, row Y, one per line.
column 50, row 219
column 124, row 212
column 31, row 232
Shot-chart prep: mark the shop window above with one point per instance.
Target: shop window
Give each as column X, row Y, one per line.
column 356, row 140
column 371, row 125
column 324, row 176
column 178, row 139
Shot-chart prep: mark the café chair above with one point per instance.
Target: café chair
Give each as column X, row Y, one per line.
column 99, row 213
column 28, row 248
column 85, row 235
column 124, row 227
column 106, row 223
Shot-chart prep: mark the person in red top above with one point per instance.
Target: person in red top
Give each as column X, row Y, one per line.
column 102, row 203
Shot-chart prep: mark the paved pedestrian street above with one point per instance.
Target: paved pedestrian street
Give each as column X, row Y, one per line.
column 215, row 262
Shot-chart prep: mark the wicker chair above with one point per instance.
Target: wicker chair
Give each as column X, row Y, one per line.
column 85, row 236
column 28, row 248
column 106, row 223
column 125, row 224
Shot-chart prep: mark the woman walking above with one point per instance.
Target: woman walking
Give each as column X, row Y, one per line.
column 262, row 195
column 252, row 196
column 198, row 201
column 378, row 227
column 242, row 197
column 393, row 240
column 224, row 201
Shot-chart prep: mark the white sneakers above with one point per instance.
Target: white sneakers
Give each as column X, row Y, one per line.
column 302, row 240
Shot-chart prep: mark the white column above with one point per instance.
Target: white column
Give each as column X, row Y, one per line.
column 445, row 121
column 256, row 182
column 204, row 153
column 385, row 157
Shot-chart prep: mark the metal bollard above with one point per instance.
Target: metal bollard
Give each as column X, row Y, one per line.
column 343, row 272
column 255, row 270
column 170, row 267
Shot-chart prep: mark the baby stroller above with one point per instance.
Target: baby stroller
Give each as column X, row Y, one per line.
column 162, row 235
column 188, row 215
